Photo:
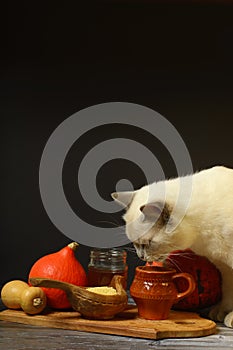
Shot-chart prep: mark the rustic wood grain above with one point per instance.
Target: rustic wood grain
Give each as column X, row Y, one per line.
column 15, row 336
column 179, row 324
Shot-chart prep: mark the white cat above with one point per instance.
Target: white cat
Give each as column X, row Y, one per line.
column 159, row 221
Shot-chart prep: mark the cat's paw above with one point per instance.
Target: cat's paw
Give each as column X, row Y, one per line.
column 217, row 313
column 228, row 320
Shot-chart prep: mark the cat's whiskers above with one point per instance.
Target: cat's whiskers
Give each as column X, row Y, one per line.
column 185, row 255
column 120, row 232
column 130, row 249
column 114, row 223
column 175, row 264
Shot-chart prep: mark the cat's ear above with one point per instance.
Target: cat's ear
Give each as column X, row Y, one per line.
column 123, row 198
column 153, row 211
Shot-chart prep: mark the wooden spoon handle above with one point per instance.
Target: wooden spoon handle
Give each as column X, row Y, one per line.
column 117, row 283
column 50, row 283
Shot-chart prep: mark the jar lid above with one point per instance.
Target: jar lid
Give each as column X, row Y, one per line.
column 109, row 256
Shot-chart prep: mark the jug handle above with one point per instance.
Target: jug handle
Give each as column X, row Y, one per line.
column 191, row 284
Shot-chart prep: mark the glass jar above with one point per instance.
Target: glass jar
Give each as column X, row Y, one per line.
column 104, row 264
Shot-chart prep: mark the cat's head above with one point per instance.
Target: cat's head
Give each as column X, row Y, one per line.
column 152, row 223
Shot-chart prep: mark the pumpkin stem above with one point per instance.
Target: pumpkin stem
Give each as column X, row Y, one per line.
column 73, row 245
column 37, row 302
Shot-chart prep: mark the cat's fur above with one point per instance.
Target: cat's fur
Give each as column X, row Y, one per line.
column 204, row 224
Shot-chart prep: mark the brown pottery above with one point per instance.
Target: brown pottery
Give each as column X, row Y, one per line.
column 154, row 291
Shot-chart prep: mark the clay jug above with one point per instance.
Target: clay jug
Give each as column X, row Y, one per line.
column 154, row 291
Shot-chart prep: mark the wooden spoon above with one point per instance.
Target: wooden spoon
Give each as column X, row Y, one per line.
column 88, row 303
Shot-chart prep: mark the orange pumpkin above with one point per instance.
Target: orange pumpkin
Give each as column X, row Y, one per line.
column 62, row 266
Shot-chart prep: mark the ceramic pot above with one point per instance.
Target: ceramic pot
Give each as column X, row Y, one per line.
column 154, row 291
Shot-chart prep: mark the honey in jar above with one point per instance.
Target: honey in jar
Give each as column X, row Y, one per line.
column 104, row 264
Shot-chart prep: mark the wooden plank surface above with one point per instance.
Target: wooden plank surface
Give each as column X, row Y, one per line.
column 179, row 324
column 16, row 336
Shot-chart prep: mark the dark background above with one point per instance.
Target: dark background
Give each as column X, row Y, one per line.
column 174, row 57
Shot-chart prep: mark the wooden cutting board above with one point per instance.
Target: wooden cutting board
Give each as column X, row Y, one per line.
column 179, row 324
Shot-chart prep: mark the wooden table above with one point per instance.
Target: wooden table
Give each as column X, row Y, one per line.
column 15, row 336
